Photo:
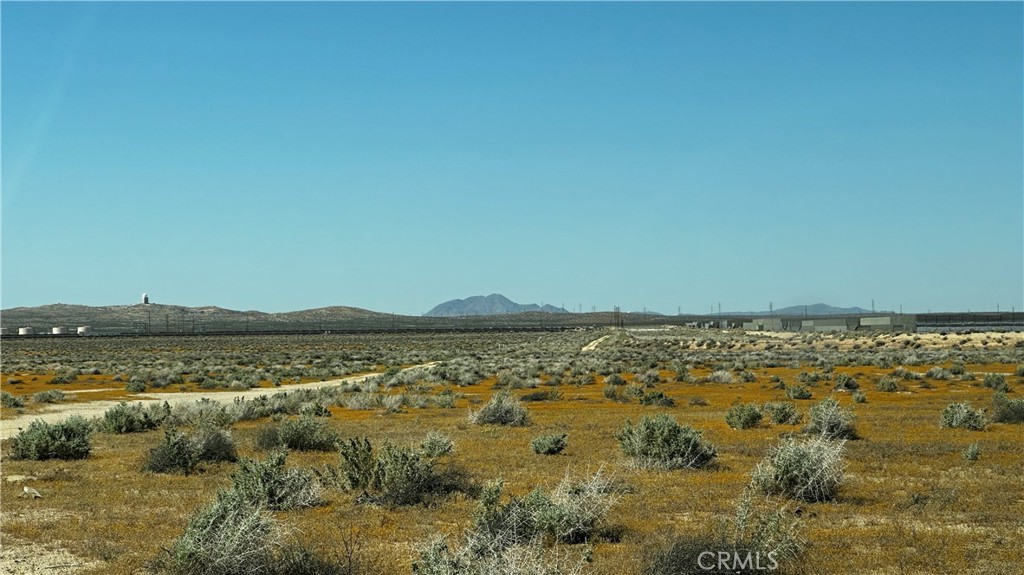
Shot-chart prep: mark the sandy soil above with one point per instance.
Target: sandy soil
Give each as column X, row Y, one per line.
column 25, row 558
column 61, row 411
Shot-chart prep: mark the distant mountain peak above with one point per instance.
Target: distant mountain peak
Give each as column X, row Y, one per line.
column 494, row 304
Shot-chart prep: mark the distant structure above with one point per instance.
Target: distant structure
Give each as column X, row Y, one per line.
column 85, row 330
column 145, row 298
column 25, row 331
column 5, row 331
column 59, row 331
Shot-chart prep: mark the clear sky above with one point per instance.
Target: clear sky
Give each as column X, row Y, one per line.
column 281, row 156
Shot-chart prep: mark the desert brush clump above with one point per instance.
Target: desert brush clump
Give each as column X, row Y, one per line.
column 304, row 433
column 1006, row 410
column 181, row 453
column 231, row 536
column 549, row 444
column 798, row 392
column 134, row 417
column 10, row 401
column 268, row 483
column 436, row 444
column 743, row 416
column 782, row 412
column 758, row 538
column 972, row 452
column 888, row 383
column 962, row 415
column 996, row 381
column 49, row 396
column 516, row 537
column 830, row 421
column 68, row 439
column 845, row 382
column 393, row 475
column 661, row 442
column 502, row 409
column 809, row 470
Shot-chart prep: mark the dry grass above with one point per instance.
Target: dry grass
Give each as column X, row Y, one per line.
column 911, row 503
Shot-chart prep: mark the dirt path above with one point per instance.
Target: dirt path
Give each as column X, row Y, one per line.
column 593, row 345
column 61, row 411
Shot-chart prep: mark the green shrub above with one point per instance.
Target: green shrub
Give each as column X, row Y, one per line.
column 231, row 536
column 859, row 397
column 888, row 383
column 831, row 421
column 972, row 453
column 133, row 418
column 963, row 416
column 782, row 412
column 212, row 443
column 743, row 416
column 436, row 444
column 661, row 442
column 657, row 398
column 549, row 444
column 49, row 396
column 1006, row 410
column 847, row 382
column 938, row 373
column 502, row 409
column 798, row 392
column 176, row 454
column 810, row 470
column 549, row 395
column 996, row 381
column 1019, row 372
column 10, row 401
column 305, row 433
column 720, row 376
column 755, row 538
column 614, row 379
column 394, row 475
column 268, row 483
column 135, row 386
column 68, row 439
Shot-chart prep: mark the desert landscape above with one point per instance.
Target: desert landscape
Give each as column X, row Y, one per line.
column 389, row 448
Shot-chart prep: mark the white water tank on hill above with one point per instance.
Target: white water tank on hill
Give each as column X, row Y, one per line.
column 59, row 331
column 24, row 331
column 85, row 330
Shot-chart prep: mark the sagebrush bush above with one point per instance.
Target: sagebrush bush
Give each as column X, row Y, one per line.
column 661, row 442
column 502, row 409
column 68, row 439
column 10, row 401
column 972, row 452
column 859, row 397
column 758, row 536
column 436, row 444
column 810, row 470
column 962, row 415
column 549, row 444
column 1006, row 410
column 798, row 392
column 49, row 396
column 657, row 398
column 268, row 483
column 888, row 383
column 847, row 382
column 393, row 475
column 996, row 381
column 831, row 421
column 782, row 412
column 176, row 454
column 133, row 418
column 214, row 444
column 720, row 376
column 231, row 536
column 743, row 416
column 305, row 433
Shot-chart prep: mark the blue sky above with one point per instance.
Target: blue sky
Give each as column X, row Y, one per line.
column 281, row 156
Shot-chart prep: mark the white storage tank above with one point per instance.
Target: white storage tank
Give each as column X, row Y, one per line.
column 5, row 331
column 24, row 331
column 59, row 331
column 85, row 330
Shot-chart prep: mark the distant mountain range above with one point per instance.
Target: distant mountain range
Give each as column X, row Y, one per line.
column 494, row 304
column 814, row 309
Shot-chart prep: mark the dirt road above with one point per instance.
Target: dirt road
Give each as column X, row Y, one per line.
column 61, row 411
